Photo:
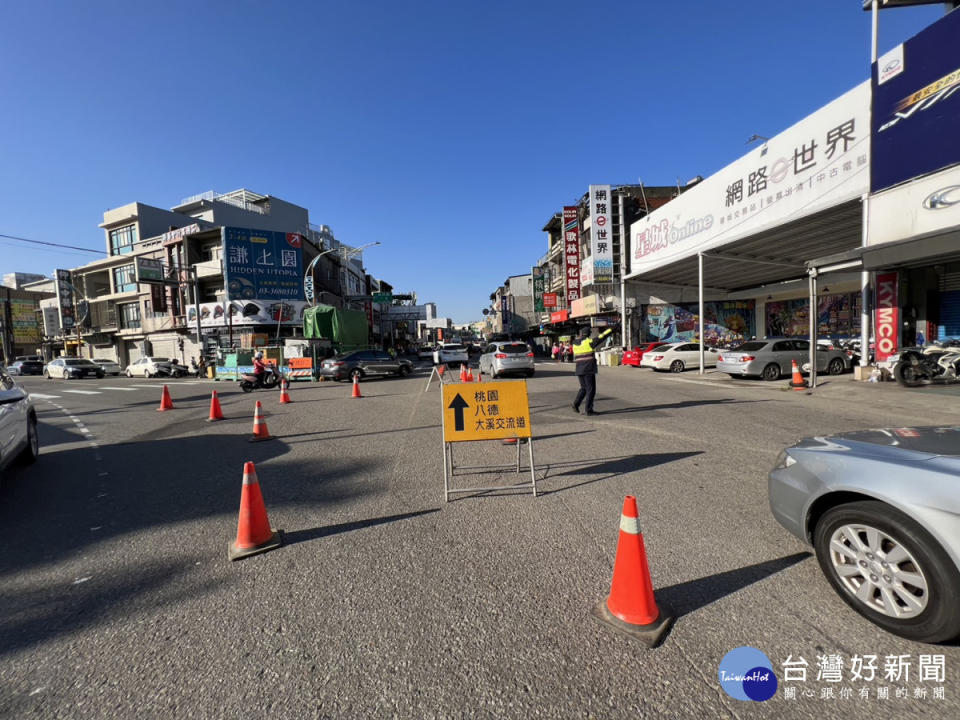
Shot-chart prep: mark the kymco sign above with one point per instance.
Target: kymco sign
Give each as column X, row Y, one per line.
column 888, row 315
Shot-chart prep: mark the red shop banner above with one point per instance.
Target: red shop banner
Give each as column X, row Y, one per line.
column 550, row 300
column 887, row 320
column 571, row 252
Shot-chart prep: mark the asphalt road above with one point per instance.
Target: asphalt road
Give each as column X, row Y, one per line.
column 118, row 599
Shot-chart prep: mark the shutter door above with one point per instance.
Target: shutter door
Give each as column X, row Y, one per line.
column 133, row 352
column 949, row 305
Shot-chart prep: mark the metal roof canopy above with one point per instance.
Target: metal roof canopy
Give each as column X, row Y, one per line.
column 770, row 256
column 901, row 254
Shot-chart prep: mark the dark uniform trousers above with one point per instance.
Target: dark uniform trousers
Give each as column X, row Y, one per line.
column 588, row 388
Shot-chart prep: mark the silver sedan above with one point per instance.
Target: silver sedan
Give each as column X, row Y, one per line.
column 773, row 358
column 882, row 511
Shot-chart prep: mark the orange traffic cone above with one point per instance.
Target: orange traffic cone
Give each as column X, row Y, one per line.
column 260, row 431
column 631, row 607
column 165, row 402
column 798, row 383
column 469, row 374
column 215, row 412
column 284, row 394
column 479, row 374
column 356, row 387
column 463, row 372
column 254, row 534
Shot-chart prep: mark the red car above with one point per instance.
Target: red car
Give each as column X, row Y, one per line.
column 633, row 357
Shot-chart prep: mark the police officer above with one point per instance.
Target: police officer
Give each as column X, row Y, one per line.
column 585, row 359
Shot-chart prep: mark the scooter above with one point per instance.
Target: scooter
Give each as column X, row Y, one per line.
column 177, row 371
column 268, row 380
column 938, row 362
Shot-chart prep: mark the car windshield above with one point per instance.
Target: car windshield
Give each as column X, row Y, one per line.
column 103, row 362
column 156, row 360
column 81, row 363
column 752, row 346
column 514, row 348
column 453, row 348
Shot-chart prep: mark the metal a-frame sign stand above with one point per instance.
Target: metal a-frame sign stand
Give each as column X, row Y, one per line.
column 437, row 373
column 500, row 413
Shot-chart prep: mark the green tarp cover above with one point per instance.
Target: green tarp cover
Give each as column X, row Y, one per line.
column 346, row 328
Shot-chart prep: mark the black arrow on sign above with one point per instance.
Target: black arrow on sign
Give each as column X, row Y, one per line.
column 457, row 406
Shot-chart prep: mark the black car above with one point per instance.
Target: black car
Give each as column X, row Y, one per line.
column 26, row 367
column 364, row 363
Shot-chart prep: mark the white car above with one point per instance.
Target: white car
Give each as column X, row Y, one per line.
column 147, row 367
column 18, row 424
column 69, row 368
column 425, row 353
column 678, row 357
column 450, row 353
column 109, row 366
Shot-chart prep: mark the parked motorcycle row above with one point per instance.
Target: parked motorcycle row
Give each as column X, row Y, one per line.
column 937, row 362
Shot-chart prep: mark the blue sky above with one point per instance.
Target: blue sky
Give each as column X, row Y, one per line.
column 448, row 131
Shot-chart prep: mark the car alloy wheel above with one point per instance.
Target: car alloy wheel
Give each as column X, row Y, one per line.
column 676, row 366
column 771, row 372
column 404, row 371
column 32, row 450
column 835, row 367
column 888, row 568
column 356, row 373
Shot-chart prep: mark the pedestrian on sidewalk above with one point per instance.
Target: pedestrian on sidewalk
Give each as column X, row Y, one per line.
column 585, row 358
column 555, row 352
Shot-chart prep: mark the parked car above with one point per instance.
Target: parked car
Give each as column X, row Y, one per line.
column 882, row 511
column 18, row 424
column 773, row 358
column 109, row 366
column 26, row 367
column 447, row 353
column 502, row 358
column 426, row 352
column 363, row 364
column 677, row 357
column 68, row 368
column 633, row 357
column 148, row 367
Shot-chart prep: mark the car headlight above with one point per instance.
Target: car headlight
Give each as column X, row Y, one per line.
column 784, row 460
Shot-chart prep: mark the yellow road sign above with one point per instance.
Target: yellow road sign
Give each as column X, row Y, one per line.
column 485, row 411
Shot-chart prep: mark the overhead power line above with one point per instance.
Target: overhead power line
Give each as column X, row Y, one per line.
column 52, row 244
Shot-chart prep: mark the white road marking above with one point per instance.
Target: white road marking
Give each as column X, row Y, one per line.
column 84, row 392
column 152, row 387
column 125, row 389
column 81, row 580
column 41, row 396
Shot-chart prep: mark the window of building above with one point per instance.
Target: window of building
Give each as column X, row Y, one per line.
column 122, row 240
column 124, row 279
column 129, row 316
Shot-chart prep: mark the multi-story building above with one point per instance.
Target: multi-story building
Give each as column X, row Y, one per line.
column 21, row 323
column 234, row 265
column 589, row 298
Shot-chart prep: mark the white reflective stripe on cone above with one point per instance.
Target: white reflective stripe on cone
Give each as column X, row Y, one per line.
column 629, row 525
column 250, row 479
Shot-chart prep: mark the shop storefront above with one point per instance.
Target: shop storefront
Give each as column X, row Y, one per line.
column 912, row 238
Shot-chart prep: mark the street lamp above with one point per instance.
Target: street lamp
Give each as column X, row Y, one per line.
column 308, row 275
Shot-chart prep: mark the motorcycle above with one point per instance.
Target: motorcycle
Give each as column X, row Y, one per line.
column 269, row 380
column 937, row 362
column 176, row 371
